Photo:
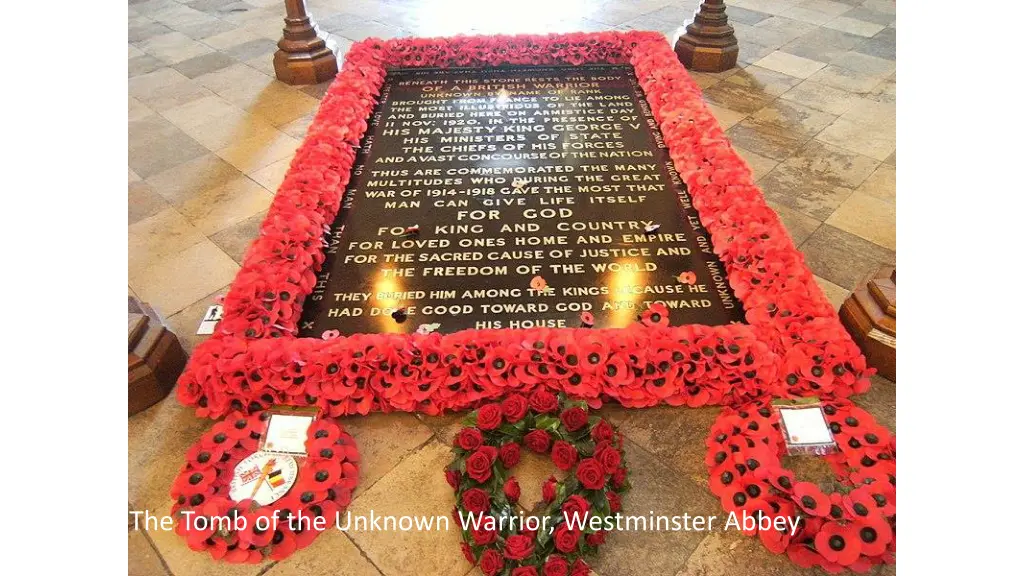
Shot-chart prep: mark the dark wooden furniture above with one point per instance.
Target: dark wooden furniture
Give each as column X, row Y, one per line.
column 304, row 56
column 870, row 316
column 709, row 44
column 155, row 358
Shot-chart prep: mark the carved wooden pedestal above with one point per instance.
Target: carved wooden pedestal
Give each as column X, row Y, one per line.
column 870, row 316
column 304, row 56
column 155, row 358
column 709, row 44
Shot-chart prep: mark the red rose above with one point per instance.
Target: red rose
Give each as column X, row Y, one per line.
column 491, row 562
column 566, row 539
column 548, row 489
column 608, row 457
column 489, row 416
column 525, row 571
column 453, row 477
column 556, row 565
column 619, row 478
column 479, row 463
column 537, row 440
column 564, row 455
column 469, row 439
column 590, row 473
column 614, row 502
column 476, row 500
column 509, row 455
column 518, row 546
column 575, row 507
column 512, row 490
column 595, row 539
column 468, row 553
column 514, row 408
column 543, row 401
column 574, row 418
column 580, row 568
column 481, row 535
column 602, row 432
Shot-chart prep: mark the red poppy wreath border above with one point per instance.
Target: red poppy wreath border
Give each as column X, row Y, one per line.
column 853, row 528
column 323, row 487
column 794, row 344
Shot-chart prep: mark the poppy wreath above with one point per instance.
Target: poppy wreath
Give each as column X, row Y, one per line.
column 853, row 528
column 793, row 345
column 587, row 447
column 323, row 487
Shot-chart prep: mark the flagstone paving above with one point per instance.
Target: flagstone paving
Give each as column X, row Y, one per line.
column 811, row 107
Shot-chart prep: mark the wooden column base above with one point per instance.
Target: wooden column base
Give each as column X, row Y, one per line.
column 155, row 358
column 709, row 44
column 869, row 314
column 304, row 55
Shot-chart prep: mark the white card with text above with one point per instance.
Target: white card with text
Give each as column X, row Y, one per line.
column 286, row 433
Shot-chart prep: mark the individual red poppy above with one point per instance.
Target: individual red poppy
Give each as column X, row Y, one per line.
column 587, row 319
column 774, row 540
column 324, row 474
column 194, row 481
column 257, row 532
column 859, row 503
column 722, row 477
column 810, row 499
column 838, row 543
column 282, row 544
column 655, row 315
column 804, row 556
column 539, row 284
column 202, row 456
column 874, row 534
column 687, row 278
column 780, row 478
column 884, row 496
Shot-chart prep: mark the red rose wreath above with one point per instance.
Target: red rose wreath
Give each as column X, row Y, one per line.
column 585, row 446
column 324, row 485
column 854, row 528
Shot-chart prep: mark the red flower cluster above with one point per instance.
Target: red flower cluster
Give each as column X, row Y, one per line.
column 795, row 344
column 766, row 271
column 322, row 488
column 587, row 447
column 520, row 50
column 854, row 528
column 637, row 366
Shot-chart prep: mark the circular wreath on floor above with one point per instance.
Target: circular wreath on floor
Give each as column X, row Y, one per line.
column 854, row 527
column 579, row 510
column 323, row 487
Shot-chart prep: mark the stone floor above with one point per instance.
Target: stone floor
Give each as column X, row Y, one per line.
column 812, row 108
